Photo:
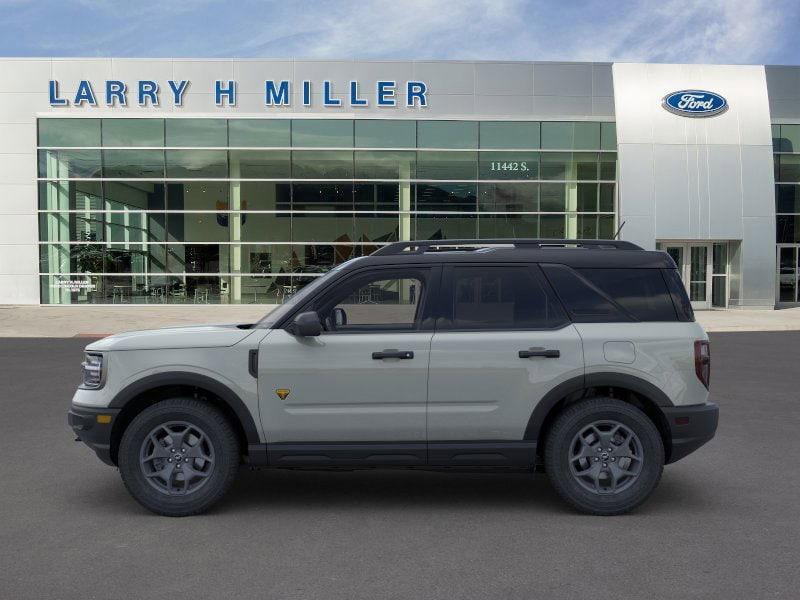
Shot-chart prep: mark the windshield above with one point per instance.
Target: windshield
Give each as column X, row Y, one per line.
column 299, row 297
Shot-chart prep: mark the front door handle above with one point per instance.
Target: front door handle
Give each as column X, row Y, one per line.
column 401, row 354
column 531, row 352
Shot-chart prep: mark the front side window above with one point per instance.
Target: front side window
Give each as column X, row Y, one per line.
column 380, row 301
column 500, row 298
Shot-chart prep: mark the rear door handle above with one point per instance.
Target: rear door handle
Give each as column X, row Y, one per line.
column 401, row 354
column 532, row 352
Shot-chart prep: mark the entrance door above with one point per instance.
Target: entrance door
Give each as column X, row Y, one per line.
column 694, row 265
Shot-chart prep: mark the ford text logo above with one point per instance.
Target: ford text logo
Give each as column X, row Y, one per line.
column 695, row 103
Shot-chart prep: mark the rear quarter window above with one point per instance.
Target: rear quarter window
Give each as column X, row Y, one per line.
column 641, row 292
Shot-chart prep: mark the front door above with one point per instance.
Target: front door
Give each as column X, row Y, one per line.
column 363, row 382
column 695, row 267
column 502, row 342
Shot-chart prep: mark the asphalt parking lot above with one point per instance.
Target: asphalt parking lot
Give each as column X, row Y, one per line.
column 723, row 524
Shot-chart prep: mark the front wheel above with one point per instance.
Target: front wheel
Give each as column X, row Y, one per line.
column 178, row 457
column 604, row 456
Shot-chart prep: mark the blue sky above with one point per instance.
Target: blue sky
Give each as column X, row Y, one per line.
column 711, row 31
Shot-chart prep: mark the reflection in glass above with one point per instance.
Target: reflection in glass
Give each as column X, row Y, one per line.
column 255, row 133
column 197, row 133
column 260, row 164
column 197, row 164
column 63, row 164
column 384, row 133
column 322, row 227
column 445, row 226
column 508, row 226
column 447, row 134
column 70, row 195
column 65, row 133
column 509, row 165
column 322, row 133
column 322, row 196
column 447, row 165
column 133, row 132
column 132, row 164
column 322, row 164
column 198, row 195
column 385, row 164
column 509, row 134
column 508, row 197
column 446, row 197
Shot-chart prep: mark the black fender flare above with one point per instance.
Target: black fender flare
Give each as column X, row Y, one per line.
column 187, row 378
column 591, row 380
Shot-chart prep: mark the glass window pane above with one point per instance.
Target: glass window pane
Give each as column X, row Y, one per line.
column 385, row 165
column 608, row 136
column 508, row 197
column 376, row 302
column 133, row 132
column 147, row 164
column 322, row 227
column 447, row 134
column 557, row 135
column 263, row 195
column 553, row 197
column 445, row 227
column 260, row 164
column 134, row 227
column 556, row 165
column 197, row 133
column 586, row 227
column 605, row 227
column 76, row 227
column 776, row 138
column 198, row 258
column 377, row 227
column 198, row 290
column 134, row 195
column 500, row 298
column 62, row 164
column 787, row 198
column 198, row 195
column 322, row 133
column 446, row 197
column 790, row 138
column 789, row 170
column 607, row 197
column 322, row 164
column 198, row 227
column 509, row 165
column 65, row 133
column 552, row 226
column 608, row 166
column 382, row 196
column 788, row 229
column 265, row 133
column 508, row 226
column 380, row 133
column 70, row 195
column 266, row 227
column 720, row 262
column 586, row 166
column 197, row 163
column 447, row 165
column 322, row 196
column 642, row 292
column 587, row 197
column 509, row 134
column 587, row 136
column 583, row 302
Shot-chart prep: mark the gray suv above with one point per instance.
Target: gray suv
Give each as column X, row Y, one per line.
column 581, row 358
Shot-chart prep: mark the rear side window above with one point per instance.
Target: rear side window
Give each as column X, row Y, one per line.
column 641, row 292
column 679, row 297
column 585, row 302
column 499, row 298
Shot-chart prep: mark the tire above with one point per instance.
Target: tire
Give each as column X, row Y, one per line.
column 206, row 448
column 603, row 487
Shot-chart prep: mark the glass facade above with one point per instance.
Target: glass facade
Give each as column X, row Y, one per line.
column 248, row 210
column 786, row 148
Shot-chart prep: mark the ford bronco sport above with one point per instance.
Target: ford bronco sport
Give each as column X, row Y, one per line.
column 578, row 357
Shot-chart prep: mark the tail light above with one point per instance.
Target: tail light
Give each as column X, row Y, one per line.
column 702, row 361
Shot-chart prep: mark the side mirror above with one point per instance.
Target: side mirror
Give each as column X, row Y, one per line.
column 339, row 317
column 306, row 324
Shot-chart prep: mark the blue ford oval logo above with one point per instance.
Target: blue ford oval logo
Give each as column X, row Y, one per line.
column 695, row 103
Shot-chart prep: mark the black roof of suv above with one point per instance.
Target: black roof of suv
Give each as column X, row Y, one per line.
column 574, row 253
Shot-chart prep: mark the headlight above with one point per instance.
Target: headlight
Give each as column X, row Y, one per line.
column 92, row 371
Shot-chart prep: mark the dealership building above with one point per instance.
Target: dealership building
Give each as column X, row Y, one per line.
column 152, row 181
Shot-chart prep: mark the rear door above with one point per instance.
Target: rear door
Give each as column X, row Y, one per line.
column 502, row 342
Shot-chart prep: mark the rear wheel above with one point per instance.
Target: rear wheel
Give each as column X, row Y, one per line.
column 178, row 457
column 604, row 456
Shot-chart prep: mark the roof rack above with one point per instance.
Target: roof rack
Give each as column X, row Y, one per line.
column 419, row 247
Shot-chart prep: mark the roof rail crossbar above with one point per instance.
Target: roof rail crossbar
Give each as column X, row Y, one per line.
column 418, row 247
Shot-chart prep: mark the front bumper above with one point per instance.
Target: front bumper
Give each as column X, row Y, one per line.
column 690, row 427
column 95, row 434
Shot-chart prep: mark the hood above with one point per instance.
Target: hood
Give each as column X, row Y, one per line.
column 205, row 336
